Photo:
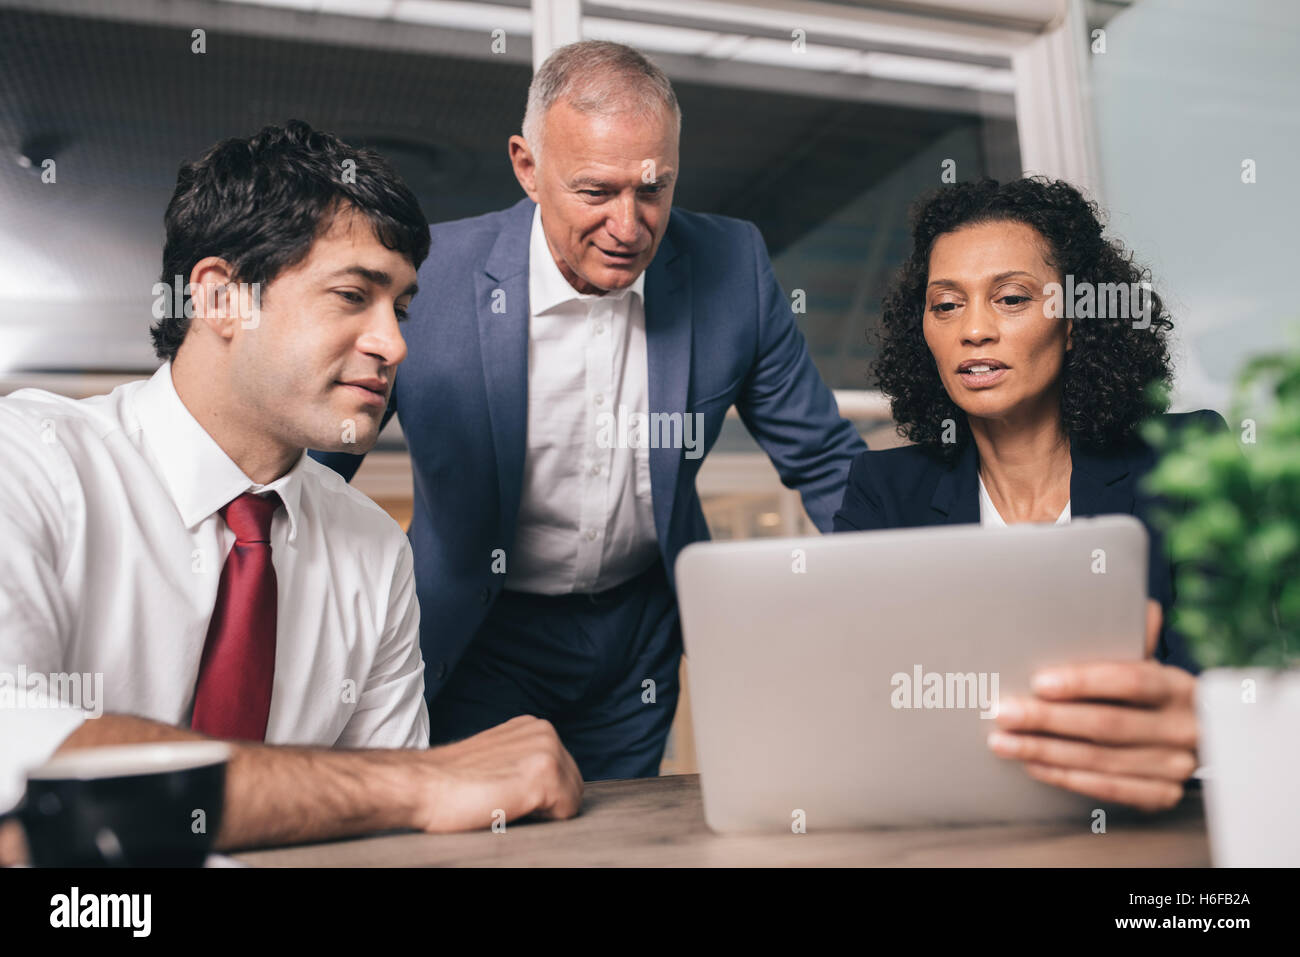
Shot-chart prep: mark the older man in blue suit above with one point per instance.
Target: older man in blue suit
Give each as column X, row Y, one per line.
column 571, row 360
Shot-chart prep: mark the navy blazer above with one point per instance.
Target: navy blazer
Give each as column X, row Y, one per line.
column 719, row 331
column 908, row 486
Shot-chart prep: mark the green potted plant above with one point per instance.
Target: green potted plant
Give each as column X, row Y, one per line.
column 1236, row 548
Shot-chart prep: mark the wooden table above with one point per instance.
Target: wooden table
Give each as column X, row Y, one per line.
column 656, row 822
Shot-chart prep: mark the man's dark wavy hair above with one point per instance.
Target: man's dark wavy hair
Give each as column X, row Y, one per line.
column 1107, row 378
column 259, row 203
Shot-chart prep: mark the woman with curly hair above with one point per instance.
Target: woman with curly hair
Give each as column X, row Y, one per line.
column 1020, row 348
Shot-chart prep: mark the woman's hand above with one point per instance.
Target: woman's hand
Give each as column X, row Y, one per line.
column 1121, row 731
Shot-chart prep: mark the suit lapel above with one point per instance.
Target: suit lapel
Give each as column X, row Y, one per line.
column 956, row 499
column 668, row 360
column 1097, row 485
column 501, row 294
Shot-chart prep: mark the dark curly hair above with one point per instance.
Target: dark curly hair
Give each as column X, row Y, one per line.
column 1113, row 374
column 260, row 203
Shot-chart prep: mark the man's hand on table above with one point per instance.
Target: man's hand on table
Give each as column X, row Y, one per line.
column 284, row 794
column 519, row 767
column 1119, row 731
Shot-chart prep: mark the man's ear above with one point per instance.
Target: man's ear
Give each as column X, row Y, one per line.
column 214, row 296
column 524, row 164
column 1069, row 334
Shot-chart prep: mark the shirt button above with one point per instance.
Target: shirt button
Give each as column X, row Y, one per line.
column 600, row 327
column 485, row 595
column 595, row 470
column 591, row 534
column 440, row 671
column 599, row 399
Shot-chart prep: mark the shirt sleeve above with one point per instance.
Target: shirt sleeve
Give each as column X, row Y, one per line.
column 36, row 710
column 391, row 712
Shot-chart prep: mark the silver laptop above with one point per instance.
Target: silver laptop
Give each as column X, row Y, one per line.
column 850, row 680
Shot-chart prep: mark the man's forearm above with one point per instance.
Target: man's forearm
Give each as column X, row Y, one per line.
column 285, row 795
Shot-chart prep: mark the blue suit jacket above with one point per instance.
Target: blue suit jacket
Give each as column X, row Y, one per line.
column 719, row 330
column 907, row 486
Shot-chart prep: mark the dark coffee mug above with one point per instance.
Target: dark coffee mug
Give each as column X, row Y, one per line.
column 135, row 805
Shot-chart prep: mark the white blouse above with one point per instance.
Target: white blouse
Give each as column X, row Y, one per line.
column 990, row 518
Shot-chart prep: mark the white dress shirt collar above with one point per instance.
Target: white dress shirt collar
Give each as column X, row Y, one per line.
column 200, row 476
column 547, row 286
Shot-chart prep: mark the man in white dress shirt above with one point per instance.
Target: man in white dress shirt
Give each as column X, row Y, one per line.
column 174, row 566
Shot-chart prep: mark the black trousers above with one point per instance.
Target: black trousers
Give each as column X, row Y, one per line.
column 602, row 668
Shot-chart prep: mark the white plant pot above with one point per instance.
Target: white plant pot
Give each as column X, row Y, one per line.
column 1250, row 747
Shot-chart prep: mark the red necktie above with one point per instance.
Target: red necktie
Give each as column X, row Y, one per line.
column 233, row 696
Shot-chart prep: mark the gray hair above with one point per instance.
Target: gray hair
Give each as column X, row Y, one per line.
column 597, row 76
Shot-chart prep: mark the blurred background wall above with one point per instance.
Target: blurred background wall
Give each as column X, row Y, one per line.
column 1188, row 91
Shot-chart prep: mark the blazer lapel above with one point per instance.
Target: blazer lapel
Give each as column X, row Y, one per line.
column 1097, row 483
column 1097, row 486
column 956, row 499
column 501, row 293
column 668, row 359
